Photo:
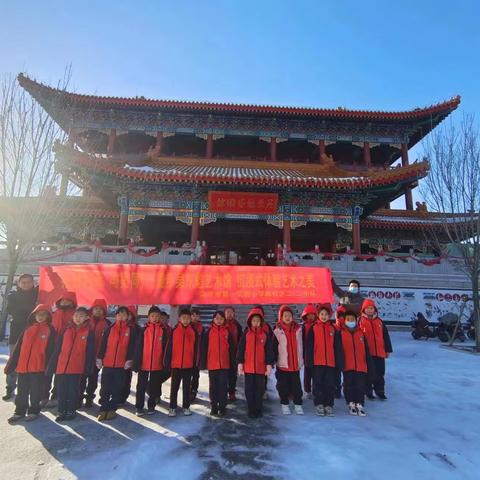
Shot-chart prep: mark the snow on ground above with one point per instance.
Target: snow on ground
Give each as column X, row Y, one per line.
column 429, row 428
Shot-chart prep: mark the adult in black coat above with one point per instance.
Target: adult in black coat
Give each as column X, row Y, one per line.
column 20, row 304
column 351, row 299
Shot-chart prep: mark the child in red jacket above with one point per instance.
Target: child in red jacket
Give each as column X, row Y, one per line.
column 181, row 357
column 148, row 362
column 197, row 325
column 74, row 358
column 355, row 364
column 323, row 352
column 288, row 354
column 255, row 360
column 379, row 345
column 29, row 359
column 132, row 321
column 64, row 309
column 235, row 330
column 217, row 357
column 98, row 323
column 309, row 317
column 116, row 357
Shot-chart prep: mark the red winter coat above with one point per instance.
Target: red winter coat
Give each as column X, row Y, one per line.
column 217, row 348
column 375, row 331
column 62, row 316
column 118, row 345
column 355, row 350
column 151, row 346
column 182, row 348
column 255, row 347
column 322, row 345
column 75, row 353
column 340, row 318
column 198, row 327
column 99, row 325
column 34, row 347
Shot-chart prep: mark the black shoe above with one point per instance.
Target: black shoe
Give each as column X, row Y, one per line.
column 370, row 396
column 222, row 412
column 61, row 417
column 70, row 415
column 381, row 395
column 15, row 418
column 8, row 395
column 259, row 414
column 214, row 412
column 193, row 395
column 88, row 403
column 252, row 415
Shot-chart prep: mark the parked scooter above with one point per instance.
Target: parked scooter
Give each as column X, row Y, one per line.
column 447, row 324
column 421, row 328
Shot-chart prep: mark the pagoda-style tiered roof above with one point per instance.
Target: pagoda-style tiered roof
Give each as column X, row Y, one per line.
column 70, row 206
column 418, row 219
column 275, row 174
column 43, row 92
column 93, row 207
column 414, row 123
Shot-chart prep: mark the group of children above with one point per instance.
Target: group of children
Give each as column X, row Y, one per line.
column 74, row 344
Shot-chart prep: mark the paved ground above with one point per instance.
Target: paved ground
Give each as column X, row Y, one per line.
column 198, row 445
column 427, row 429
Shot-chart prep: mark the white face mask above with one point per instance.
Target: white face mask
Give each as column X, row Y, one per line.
column 353, row 289
column 351, row 324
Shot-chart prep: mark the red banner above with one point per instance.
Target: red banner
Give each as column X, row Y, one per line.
column 185, row 284
column 242, row 202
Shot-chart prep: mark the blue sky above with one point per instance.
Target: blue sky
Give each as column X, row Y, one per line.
column 369, row 54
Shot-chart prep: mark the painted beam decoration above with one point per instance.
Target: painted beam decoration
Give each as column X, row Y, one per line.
column 121, row 284
column 243, row 202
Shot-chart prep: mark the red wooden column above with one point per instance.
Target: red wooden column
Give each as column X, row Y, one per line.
column 408, row 190
column 123, row 229
column 159, row 142
column 287, row 233
column 321, row 150
column 273, row 149
column 123, row 223
column 357, row 243
column 209, row 153
column 111, row 141
column 195, row 233
column 367, row 159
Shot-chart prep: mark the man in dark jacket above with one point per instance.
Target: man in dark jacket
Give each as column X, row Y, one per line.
column 20, row 304
column 351, row 299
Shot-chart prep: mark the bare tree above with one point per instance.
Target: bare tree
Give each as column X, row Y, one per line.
column 453, row 190
column 28, row 179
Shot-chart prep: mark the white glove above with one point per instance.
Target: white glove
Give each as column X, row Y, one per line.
column 268, row 371
column 240, row 369
column 99, row 363
column 128, row 364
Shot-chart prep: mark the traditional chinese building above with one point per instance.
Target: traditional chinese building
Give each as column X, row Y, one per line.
column 242, row 178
